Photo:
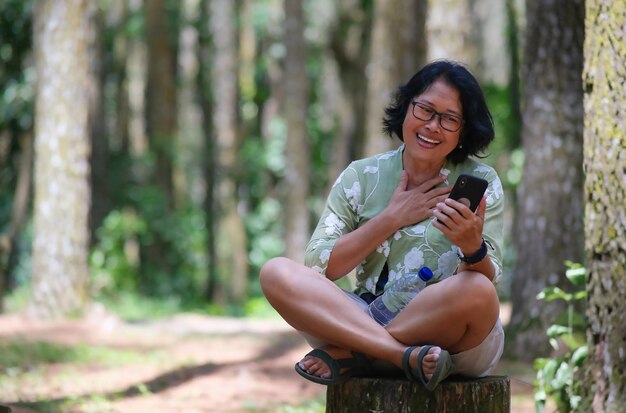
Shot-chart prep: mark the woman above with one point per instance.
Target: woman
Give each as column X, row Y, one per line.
column 389, row 215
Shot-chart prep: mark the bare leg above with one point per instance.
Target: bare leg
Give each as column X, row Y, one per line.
column 315, row 305
column 456, row 313
column 311, row 303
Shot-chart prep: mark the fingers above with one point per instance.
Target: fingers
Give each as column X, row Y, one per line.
column 453, row 214
column 431, row 183
column 452, row 210
column 482, row 207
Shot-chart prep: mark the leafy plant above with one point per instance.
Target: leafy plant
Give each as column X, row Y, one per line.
column 556, row 375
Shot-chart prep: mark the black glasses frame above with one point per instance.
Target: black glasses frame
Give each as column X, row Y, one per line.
column 438, row 114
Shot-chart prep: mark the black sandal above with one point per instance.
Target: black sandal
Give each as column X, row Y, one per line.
column 442, row 370
column 358, row 364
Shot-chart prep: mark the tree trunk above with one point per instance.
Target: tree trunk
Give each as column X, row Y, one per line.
column 605, row 194
column 160, row 95
column 100, row 189
column 485, row 395
column 297, row 155
column 476, row 38
column 188, row 187
column 549, row 217
column 64, row 35
column 9, row 246
column 398, row 52
column 350, row 43
column 209, row 163
column 232, row 260
column 451, row 41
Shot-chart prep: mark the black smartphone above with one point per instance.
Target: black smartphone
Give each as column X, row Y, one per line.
column 469, row 190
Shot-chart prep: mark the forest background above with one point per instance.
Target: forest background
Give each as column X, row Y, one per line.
column 153, row 155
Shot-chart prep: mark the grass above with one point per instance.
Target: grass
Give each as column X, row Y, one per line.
column 28, row 355
column 26, row 366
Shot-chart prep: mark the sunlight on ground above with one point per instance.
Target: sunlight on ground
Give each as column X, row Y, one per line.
column 184, row 363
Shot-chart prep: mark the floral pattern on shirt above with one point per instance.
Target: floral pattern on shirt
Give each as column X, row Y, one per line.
column 364, row 189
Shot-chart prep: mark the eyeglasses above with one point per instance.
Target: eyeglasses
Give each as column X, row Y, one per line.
column 451, row 123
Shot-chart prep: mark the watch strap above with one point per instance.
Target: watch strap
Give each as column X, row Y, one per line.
column 477, row 256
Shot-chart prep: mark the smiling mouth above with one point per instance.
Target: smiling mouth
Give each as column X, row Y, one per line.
column 425, row 139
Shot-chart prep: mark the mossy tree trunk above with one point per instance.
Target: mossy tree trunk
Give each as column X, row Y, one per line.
column 605, row 207
column 485, row 395
column 549, row 216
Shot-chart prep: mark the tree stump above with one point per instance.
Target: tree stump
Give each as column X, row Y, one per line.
column 456, row 395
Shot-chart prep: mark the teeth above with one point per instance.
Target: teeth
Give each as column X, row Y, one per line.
column 427, row 140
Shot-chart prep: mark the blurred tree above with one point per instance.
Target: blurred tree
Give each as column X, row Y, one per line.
column 160, row 95
column 604, row 80
column 16, row 147
column 188, row 185
column 350, row 41
column 398, row 51
column 208, row 160
column 297, row 171
column 451, row 32
column 64, row 35
column 100, row 204
column 512, row 34
column 232, row 259
column 549, row 216
column 472, row 32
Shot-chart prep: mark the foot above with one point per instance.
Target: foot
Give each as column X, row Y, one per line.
column 318, row 367
column 429, row 362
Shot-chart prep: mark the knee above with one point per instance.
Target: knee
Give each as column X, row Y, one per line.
column 479, row 290
column 274, row 274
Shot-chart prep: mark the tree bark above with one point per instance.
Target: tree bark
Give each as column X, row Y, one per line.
column 232, row 260
column 63, row 37
column 485, row 395
column 451, row 41
column 350, row 43
column 398, row 52
column 188, row 187
column 9, row 245
column 605, row 200
column 100, row 188
column 297, row 155
column 209, row 162
column 160, row 96
column 549, row 217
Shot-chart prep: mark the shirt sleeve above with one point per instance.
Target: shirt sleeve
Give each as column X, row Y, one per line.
column 493, row 230
column 340, row 216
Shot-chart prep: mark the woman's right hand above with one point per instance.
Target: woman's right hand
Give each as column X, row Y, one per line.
column 410, row 206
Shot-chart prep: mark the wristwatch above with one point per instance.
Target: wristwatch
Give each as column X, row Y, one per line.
column 476, row 257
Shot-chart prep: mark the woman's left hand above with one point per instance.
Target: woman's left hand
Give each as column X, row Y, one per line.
column 460, row 225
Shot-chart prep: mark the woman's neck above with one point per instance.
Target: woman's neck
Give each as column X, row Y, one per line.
column 420, row 172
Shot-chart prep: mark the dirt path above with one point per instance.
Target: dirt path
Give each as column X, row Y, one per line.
column 192, row 364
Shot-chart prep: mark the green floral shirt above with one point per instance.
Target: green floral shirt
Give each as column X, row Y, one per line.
column 364, row 189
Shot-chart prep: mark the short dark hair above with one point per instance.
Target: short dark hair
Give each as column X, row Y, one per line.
column 477, row 132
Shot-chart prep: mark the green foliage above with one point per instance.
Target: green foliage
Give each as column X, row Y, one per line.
column 17, row 80
column 115, row 261
column 148, row 249
column 556, row 375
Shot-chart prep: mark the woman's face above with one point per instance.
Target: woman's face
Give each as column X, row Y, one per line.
column 427, row 140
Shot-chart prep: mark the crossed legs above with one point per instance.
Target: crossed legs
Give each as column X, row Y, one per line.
column 455, row 314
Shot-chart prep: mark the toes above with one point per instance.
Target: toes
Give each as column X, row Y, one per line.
column 429, row 362
column 315, row 366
